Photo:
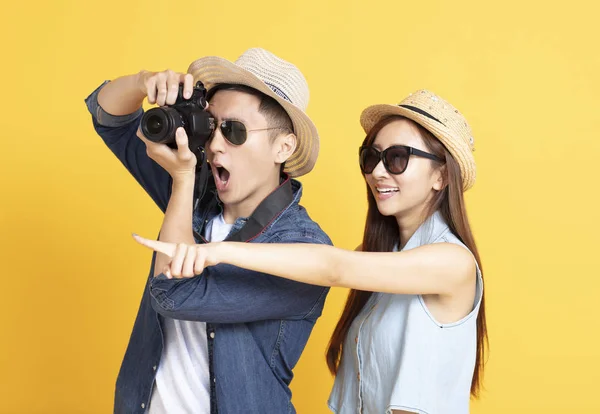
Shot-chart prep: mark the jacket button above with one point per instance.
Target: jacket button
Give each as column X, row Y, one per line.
column 143, row 405
column 154, row 367
column 212, row 335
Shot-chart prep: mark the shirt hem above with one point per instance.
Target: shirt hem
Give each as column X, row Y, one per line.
column 415, row 410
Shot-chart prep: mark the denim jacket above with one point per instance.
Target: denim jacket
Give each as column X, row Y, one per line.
column 257, row 324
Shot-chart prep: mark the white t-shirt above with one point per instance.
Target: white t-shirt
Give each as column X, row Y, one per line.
column 182, row 380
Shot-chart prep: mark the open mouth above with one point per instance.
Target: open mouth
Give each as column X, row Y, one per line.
column 222, row 176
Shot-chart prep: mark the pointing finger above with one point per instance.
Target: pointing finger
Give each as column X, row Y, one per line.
column 158, row 246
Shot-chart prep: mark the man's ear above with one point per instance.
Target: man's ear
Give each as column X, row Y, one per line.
column 283, row 147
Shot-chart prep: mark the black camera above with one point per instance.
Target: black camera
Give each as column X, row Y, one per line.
column 159, row 124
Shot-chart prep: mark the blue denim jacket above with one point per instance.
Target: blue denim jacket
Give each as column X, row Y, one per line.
column 257, row 324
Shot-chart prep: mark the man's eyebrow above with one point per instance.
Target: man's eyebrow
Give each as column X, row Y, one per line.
column 229, row 118
column 233, row 118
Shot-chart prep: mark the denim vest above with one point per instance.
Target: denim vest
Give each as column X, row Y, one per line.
column 257, row 324
column 396, row 356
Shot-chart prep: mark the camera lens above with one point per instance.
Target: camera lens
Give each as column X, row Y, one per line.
column 155, row 125
column 159, row 125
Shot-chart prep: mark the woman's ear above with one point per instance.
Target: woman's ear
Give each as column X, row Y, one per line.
column 439, row 178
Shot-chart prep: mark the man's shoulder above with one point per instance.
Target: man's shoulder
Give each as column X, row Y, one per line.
column 294, row 225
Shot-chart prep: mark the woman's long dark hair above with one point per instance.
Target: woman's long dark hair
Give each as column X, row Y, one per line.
column 382, row 233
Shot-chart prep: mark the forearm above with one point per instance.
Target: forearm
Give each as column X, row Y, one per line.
column 410, row 272
column 314, row 264
column 230, row 294
column 177, row 224
column 123, row 96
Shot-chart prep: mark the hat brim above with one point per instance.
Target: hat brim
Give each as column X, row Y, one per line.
column 375, row 113
column 214, row 70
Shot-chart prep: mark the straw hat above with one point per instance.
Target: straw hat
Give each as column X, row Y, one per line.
column 438, row 117
column 282, row 81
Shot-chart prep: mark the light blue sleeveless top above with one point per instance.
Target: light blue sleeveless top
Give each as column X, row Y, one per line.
column 396, row 356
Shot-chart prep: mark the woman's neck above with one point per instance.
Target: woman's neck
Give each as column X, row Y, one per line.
column 408, row 225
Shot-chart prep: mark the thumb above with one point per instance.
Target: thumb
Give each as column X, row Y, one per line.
column 161, row 247
column 183, row 148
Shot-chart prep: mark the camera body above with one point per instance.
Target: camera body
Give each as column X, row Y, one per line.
column 159, row 124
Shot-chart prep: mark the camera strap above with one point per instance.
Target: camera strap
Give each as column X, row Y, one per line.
column 202, row 173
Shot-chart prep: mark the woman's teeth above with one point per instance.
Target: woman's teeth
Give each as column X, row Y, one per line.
column 387, row 190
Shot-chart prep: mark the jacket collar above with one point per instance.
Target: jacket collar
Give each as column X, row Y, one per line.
column 267, row 211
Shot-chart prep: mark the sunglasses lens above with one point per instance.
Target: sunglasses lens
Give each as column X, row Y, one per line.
column 369, row 158
column 234, row 132
column 396, row 159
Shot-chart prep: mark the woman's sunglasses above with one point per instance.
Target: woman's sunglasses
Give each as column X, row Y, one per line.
column 395, row 158
column 235, row 131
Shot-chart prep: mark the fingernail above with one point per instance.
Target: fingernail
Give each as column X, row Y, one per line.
column 134, row 235
column 180, row 131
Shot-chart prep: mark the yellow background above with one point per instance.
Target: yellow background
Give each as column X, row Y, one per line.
column 525, row 73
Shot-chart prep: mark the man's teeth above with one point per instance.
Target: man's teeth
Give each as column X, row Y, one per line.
column 387, row 190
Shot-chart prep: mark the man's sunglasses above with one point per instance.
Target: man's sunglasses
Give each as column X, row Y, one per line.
column 395, row 158
column 235, row 131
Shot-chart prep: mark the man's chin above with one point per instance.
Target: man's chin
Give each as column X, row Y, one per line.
column 227, row 196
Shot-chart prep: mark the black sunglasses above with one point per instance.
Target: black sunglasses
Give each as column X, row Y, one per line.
column 395, row 158
column 235, row 131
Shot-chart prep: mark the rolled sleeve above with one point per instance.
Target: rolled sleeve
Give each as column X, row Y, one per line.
column 119, row 135
column 229, row 294
column 104, row 118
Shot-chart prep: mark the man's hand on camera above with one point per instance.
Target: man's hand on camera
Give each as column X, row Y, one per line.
column 179, row 163
column 162, row 87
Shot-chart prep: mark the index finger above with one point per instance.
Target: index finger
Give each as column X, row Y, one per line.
column 188, row 85
column 158, row 246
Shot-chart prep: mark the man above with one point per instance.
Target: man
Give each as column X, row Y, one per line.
column 231, row 336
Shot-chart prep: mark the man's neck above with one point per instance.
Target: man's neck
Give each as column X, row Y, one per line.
column 245, row 208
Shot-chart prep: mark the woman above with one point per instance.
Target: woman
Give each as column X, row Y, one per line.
column 413, row 332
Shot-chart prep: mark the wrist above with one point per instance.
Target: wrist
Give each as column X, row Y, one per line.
column 184, row 179
column 215, row 253
column 141, row 77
